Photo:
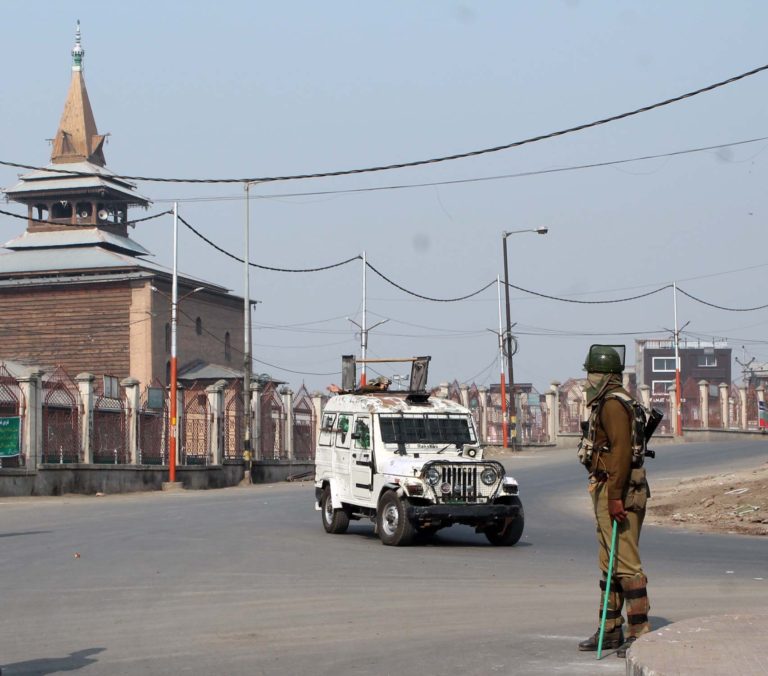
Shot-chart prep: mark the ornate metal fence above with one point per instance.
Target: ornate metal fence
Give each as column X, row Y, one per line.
column 303, row 426
column 690, row 402
column 495, row 418
column 110, row 445
column 571, row 406
column 196, row 430
column 752, row 414
column 61, row 419
column 12, row 404
column 153, row 428
column 715, row 415
column 532, row 421
column 233, row 422
column 272, row 437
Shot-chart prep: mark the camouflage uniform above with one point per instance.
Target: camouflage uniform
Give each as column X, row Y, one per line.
column 611, row 477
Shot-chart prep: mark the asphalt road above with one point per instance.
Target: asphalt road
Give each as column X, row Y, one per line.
column 245, row 581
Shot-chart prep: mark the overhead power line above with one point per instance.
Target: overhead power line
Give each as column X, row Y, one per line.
column 458, row 181
column 417, row 163
column 722, row 307
column 590, row 302
column 418, row 295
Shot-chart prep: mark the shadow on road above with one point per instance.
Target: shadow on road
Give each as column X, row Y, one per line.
column 452, row 539
column 658, row 622
column 23, row 532
column 53, row 665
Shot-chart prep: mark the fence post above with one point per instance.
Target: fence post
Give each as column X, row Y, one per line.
column 256, row 390
column 482, row 395
column 85, row 386
column 549, row 402
column 133, row 401
column 287, row 396
column 555, row 389
column 215, row 394
column 32, row 417
column 317, row 406
column 743, row 406
column 464, row 395
column 181, row 421
column 724, row 406
column 672, row 394
column 704, row 403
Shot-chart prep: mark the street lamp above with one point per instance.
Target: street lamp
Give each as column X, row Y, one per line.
column 174, row 430
column 541, row 230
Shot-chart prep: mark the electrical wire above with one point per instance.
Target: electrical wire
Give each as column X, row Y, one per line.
column 38, row 220
column 479, row 179
column 265, row 267
column 487, row 368
column 590, row 302
column 418, row 295
column 722, row 307
column 417, row 163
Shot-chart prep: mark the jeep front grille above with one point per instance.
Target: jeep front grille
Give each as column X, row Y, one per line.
column 461, row 483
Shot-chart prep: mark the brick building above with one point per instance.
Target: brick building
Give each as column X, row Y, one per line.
column 76, row 290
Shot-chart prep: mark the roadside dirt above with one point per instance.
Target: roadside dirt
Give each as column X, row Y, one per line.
column 732, row 502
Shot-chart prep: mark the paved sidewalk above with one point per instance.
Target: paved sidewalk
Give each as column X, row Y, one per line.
column 708, row 646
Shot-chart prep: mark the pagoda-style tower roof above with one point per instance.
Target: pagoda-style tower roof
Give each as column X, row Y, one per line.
column 76, row 190
column 76, row 139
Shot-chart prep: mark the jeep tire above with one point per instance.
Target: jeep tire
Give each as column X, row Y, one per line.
column 334, row 520
column 506, row 537
column 392, row 522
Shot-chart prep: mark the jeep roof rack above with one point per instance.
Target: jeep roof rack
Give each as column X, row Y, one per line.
column 417, row 385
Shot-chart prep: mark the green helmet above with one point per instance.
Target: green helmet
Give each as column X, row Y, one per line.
column 605, row 359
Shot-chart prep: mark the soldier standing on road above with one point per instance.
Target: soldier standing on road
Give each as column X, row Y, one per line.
column 619, row 493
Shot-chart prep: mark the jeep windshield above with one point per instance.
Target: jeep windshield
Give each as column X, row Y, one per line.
column 426, row 429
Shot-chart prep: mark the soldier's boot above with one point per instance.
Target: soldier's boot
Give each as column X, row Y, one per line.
column 638, row 607
column 613, row 636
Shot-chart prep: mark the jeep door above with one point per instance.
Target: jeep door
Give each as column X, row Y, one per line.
column 362, row 459
column 341, row 453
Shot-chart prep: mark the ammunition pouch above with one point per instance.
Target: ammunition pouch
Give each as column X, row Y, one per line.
column 637, row 492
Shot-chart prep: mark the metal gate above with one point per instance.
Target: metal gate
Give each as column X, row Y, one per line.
column 153, row 429
column 233, row 421
column 454, row 392
column 475, row 409
column 196, row 430
column 12, row 404
column 303, row 426
column 752, row 411
column 271, row 441
column 61, row 419
column 571, row 406
column 110, row 445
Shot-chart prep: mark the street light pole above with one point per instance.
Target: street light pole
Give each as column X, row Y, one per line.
column 504, row 422
column 543, row 230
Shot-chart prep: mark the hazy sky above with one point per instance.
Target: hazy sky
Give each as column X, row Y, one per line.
column 232, row 89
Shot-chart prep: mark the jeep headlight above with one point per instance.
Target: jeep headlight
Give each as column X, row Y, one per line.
column 488, row 476
column 433, row 476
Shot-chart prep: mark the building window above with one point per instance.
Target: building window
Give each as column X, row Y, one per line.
column 706, row 360
column 199, row 326
column 227, row 347
column 167, row 337
column 168, row 373
column 663, row 365
column 659, row 387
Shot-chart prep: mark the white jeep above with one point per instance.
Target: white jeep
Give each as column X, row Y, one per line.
column 410, row 463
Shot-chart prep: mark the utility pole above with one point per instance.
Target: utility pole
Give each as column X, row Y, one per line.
column 247, row 342
column 504, row 430
column 174, row 431
column 364, row 329
column 677, row 366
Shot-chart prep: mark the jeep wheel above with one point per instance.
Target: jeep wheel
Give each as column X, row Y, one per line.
column 334, row 520
column 392, row 522
column 506, row 537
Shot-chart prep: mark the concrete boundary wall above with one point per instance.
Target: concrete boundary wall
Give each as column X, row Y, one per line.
column 92, row 479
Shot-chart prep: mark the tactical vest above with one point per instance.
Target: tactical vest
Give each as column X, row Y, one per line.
column 638, row 439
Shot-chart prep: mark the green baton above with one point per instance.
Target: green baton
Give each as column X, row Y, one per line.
column 608, row 583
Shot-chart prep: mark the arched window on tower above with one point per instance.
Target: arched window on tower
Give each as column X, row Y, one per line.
column 227, row 347
column 167, row 337
column 61, row 209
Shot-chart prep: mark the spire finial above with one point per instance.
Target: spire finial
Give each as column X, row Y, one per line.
column 77, row 51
